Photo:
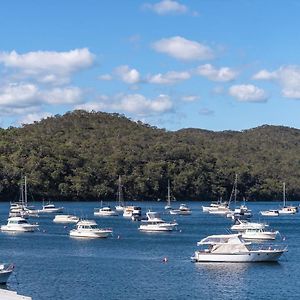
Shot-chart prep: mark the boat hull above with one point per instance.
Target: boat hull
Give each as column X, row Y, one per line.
column 83, row 234
column 18, row 229
column 149, row 228
column 253, row 256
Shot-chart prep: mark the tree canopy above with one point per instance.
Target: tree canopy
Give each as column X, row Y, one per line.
column 79, row 156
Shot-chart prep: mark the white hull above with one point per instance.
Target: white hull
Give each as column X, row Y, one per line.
column 49, row 210
column 253, row 256
column 119, row 208
column 259, row 236
column 90, row 234
column 269, row 214
column 157, row 228
column 11, row 228
column 220, row 212
column 180, row 212
column 5, row 272
column 286, row 212
column 106, row 214
column 65, row 219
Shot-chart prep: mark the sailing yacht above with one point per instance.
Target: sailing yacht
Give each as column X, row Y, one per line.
column 287, row 210
column 120, row 206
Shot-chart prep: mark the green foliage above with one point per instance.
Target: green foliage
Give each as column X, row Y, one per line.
column 80, row 156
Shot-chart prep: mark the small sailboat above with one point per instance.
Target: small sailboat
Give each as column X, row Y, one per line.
column 287, row 210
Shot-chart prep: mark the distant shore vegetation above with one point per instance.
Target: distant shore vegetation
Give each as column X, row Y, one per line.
column 80, row 155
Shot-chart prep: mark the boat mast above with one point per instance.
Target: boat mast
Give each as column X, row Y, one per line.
column 235, row 188
column 120, row 195
column 25, row 190
column 169, row 195
column 284, row 200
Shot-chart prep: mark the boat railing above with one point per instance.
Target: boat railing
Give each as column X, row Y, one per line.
column 259, row 247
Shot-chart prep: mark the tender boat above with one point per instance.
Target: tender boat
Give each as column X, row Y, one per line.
column 65, row 219
column 183, row 210
column 242, row 225
column 270, row 213
column 259, row 234
column 105, row 211
column 90, row 229
column 18, row 224
column 49, row 208
column 233, row 248
column 155, row 224
column 5, row 271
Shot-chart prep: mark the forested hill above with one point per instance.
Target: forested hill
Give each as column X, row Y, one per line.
column 80, row 156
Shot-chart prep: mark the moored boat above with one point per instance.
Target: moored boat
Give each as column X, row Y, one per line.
column 259, row 234
column 105, row 211
column 270, row 213
column 183, row 210
column 242, row 225
column 18, row 224
column 155, row 224
column 90, row 229
column 233, row 248
column 65, row 219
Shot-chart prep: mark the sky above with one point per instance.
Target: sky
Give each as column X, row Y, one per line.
column 209, row 64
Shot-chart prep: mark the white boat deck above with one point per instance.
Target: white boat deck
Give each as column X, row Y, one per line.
column 11, row 295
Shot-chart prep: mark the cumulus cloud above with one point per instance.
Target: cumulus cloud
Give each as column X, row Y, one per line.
column 170, row 77
column 206, row 111
column 190, row 98
column 248, row 93
column 288, row 78
column 183, row 49
column 20, row 96
column 136, row 104
column 127, row 75
column 223, row 74
column 167, row 7
column 34, row 117
column 47, row 66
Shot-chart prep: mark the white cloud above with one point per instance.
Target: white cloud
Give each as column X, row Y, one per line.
column 248, row 93
column 106, row 77
column 170, row 77
column 288, row 78
column 128, row 75
column 206, row 111
column 223, row 74
column 33, row 117
column 183, row 49
column 190, row 98
column 48, row 66
column 66, row 95
column 18, row 95
column 136, row 104
column 167, row 7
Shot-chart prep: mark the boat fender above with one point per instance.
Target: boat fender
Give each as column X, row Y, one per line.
column 165, row 260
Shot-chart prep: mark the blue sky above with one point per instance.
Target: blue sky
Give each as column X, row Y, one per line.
column 211, row 64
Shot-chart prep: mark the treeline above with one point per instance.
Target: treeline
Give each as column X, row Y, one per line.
column 79, row 156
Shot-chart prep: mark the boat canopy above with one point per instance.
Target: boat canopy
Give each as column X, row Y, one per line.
column 221, row 239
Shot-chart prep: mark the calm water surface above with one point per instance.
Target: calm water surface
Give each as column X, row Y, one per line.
column 51, row 265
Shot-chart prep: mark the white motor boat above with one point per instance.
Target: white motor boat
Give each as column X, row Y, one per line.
column 183, row 210
column 11, row 295
column 65, row 219
column 18, row 224
column 119, row 208
column 105, row 211
column 90, row 229
column 233, row 248
column 222, row 210
column 214, row 206
column 259, row 234
column 5, row 271
column 242, row 212
column 129, row 211
column 155, row 224
column 270, row 213
column 242, row 225
column 49, row 209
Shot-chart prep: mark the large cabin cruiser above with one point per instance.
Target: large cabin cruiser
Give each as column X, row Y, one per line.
column 233, row 248
column 183, row 210
column 155, row 224
column 90, row 229
column 18, row 224
column 49, row 208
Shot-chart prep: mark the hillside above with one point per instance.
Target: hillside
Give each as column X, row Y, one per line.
column 80, row 155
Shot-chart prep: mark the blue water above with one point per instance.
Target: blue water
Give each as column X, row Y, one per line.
column 51, row 265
